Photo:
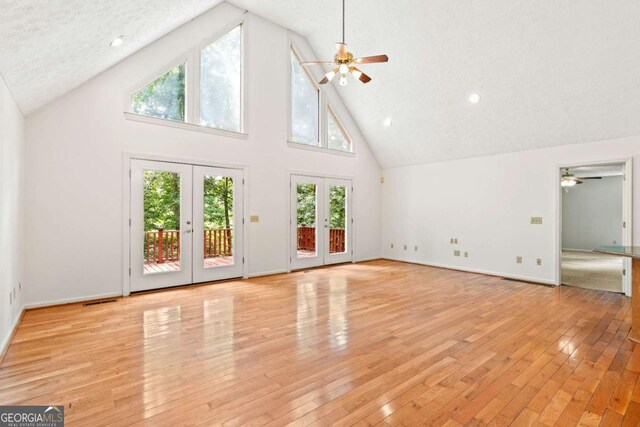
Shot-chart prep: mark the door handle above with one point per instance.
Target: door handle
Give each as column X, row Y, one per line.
column 188, row 231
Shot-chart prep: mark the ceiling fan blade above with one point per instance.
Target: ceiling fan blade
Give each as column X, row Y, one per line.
column 329, row 76
column 372, row 59
column 578, row 181
column 359, row 75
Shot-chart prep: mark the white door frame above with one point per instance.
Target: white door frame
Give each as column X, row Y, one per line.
column 627, row 215
column 126, row 206
column 289, row 219
column 165, row 279
column 200, row 273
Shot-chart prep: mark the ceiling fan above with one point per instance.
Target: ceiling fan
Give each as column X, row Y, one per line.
column 569, row 180
column 345, row 62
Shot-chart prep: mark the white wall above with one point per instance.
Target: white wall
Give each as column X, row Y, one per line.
column 592, row 214
column 486, row 203
column 75, row 155
column 12, row 140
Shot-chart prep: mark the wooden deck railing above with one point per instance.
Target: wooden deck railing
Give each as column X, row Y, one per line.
column 164, row 245
column 217, row 242
column 307, row 239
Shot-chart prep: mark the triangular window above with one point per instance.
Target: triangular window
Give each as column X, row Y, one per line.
column 221, row 82
column 337, row 138
column 164, row 97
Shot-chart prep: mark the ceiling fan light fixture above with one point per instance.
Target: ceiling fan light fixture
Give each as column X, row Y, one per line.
column 568, row 182
column 331, row 74
column 343, row 80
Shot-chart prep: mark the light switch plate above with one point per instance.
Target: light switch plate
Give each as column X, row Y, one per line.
column 518, row 260
column 255, row 218
column 537, row 220
column 456, row 253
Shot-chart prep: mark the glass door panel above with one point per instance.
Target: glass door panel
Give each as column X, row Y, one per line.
column 306, row 226
column 218, row 221
column 338, row 221
column 161, row 221
column 307, row 217
column 217, row 208
column 160, row 224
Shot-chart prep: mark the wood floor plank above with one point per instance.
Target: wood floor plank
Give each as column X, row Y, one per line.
column 376, row 343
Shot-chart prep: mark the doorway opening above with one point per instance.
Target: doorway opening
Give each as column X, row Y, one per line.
column 185, row 224
column 594, row 212
column 321, row 221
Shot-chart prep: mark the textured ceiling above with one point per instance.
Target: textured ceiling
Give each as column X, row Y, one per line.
column 549, row 73
column 49, row 47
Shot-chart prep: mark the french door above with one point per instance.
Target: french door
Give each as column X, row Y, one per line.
column 186, row 224
column 321, row 221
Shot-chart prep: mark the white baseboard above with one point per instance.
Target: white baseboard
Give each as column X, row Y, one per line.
column 477, row 271
column 364, row 259
column 6, row 340
column 72, row 300
column 267, row 273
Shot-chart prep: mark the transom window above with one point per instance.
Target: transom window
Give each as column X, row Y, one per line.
column 305, row 105
column 337, row 138
column 312, row 122
column 205, row 90
column 164, row 97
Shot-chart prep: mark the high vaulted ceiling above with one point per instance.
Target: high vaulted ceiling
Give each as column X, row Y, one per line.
column 548, row 73
column 49, row 47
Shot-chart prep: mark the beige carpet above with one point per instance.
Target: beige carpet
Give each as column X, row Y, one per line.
column 592, row 271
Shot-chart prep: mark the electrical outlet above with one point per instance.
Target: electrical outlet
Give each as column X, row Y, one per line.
column 537, row 220
column 392, row 246
column 20, row 286
column 539, row 261
column 518, row 260
column 415, row 248
column 456, row 253
column 466, row 254
column 451, row 241
column 405, row 247
column 10, row 301
column 456, row 240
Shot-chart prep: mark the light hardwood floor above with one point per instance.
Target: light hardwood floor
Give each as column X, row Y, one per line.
column 377, row 343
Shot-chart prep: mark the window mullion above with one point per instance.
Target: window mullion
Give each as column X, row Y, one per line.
column 193, row 87
column 322, row 120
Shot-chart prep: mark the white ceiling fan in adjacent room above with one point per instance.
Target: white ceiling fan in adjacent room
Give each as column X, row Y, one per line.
column 345, row 62
column 569, row 180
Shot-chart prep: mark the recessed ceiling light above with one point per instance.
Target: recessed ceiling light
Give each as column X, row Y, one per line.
column 474, row 98
column 117, row 41
column 387, row 122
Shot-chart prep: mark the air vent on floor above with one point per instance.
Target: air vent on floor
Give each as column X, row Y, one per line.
column 105, row 301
